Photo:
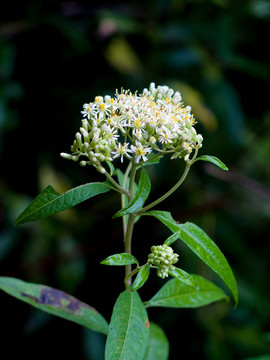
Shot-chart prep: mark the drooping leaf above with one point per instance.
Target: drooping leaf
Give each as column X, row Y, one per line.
column 140, row 197
column 128, row 330
column 201, row 244
column 50, row 201
column 141, row 277
column 214, row 160
column 158, row 347
column 182, row 275
column 120, row 259
column 177, row 294
column 55, row 302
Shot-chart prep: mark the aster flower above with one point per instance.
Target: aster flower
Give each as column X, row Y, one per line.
column 121, row 151
column 140, row 151
column 154, row 121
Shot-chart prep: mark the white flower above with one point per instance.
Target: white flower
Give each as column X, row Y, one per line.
column 165, row 136
column 88, row 110
column 121, row 150
column 140, row 151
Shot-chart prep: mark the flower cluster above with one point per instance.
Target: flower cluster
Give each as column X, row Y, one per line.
column 163, row 257
column 133, row 126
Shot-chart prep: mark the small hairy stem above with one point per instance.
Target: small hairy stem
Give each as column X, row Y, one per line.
column 168, row 193
column 176, row 186
column 130, row 223
column 114, row 183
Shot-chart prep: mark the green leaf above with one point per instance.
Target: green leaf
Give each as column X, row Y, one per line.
column 111, row 167
column 214, row 160
column 120, row 259
column 141, row 277
column 158, row 347
column 50, row 201
column 171, row 239
column 140, row 197
column 55, row 302
column 176, row 294
column 182, row 275
column 128, row 330
column 152, row 160
column 200, row 243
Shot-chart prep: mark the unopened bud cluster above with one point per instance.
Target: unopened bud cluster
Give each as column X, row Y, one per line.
column 163, row 257
column 131, row 125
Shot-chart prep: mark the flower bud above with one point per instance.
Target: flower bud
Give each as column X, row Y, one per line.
column 78, row 138
column 163, row 258
column 66, row 156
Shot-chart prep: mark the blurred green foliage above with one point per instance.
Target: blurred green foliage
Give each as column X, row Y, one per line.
column 56, row 55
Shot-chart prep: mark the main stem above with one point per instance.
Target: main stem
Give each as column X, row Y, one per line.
column 130, row 223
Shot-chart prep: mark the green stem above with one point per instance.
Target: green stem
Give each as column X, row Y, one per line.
column 130, row 223
column 128, row 238
column 176, row 186
column 168, row 193
column 123, row 198
column 115, row 184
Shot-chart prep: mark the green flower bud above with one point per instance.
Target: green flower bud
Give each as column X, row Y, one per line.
column 163, row 257
column 66, row 156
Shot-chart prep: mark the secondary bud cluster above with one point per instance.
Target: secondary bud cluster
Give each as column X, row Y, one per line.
column 163, row 257
column 131, row 125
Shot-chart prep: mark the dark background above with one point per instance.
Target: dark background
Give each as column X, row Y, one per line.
column 57, row 55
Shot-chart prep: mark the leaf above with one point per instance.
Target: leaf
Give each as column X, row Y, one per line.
column 128, row 330
column 141, row 277
column 171, row 239
column 158, row 347
column 214, row 160
column 152, row 160
column 182, row 275
column 120, row 259
column 176, row 294
column 140, row 197
column 55, row 302
column 50, row 201
column 111, row 167
column 200, row 243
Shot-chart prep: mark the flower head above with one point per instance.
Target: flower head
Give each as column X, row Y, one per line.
column 135, row 125
column 162, row 257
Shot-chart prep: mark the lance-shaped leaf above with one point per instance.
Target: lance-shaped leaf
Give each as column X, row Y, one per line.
column 214, row 160
column 177, row 294
column 55, row 302
column 128, row 330
column 50, row 201
column 201, row 244
column 158, row 347
column 141, row 277
column 182, row 275
column 120, row 259
column 140, row 197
